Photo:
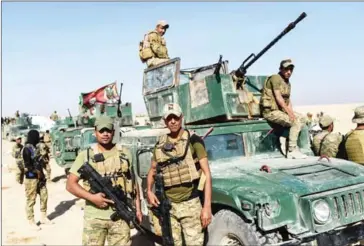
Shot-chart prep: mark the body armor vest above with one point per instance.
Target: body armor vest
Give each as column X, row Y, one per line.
column 355, row 146
column 18, row 154
column 116, row 167
column 146, row 52
column 268, row 101
column 181, row 172
column 30, row 173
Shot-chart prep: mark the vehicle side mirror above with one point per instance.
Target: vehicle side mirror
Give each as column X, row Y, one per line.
column 144, row 157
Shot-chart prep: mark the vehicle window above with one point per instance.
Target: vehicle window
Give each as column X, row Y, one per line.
column 160, row 77
column 224, row 146
column 261, row 142
column 89, row 137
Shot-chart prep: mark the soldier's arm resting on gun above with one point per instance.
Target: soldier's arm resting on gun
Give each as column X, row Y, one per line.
column 206, row 210
column 152, row 199
column 74, row 188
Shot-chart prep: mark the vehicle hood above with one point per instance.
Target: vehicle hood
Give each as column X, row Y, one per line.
column 301, row 177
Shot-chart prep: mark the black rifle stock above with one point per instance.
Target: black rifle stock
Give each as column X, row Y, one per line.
column 241, row 71
column 119, row 101
column 163, row 210
column 123, row 210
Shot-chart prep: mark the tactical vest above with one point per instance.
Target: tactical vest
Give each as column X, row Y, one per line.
column 146, row 52
column 30, row 174
column 268, row 101
column 182, row 172
column 47, row 138
column 118, row 167
column 354, row 146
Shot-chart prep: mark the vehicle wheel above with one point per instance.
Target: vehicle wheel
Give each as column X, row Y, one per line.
column 228, row 228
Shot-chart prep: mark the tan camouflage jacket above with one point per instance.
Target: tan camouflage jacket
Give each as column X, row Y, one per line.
column 326, row 143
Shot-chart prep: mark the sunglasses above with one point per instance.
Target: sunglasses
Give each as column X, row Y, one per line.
column 105, row 130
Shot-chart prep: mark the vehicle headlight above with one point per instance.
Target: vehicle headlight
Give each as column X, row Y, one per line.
column 321, row 211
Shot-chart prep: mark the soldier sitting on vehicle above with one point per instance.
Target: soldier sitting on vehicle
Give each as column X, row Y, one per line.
column 354, row 142
column 276, row 107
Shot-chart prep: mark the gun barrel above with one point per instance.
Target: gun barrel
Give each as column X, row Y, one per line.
column 119, row 101
column 242, row 69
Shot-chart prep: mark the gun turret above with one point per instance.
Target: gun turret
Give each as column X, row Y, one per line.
column 252, row 58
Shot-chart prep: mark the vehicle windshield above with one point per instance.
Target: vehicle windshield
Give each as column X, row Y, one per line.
column 89, row 137
column 241, row 144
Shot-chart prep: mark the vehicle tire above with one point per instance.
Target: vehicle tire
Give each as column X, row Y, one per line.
column 228, row 228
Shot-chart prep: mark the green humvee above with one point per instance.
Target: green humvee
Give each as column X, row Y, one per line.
column 22, row 126
column 259, row 197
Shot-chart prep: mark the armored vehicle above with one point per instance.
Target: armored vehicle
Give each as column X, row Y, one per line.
column 259, row 196
column 23, row 124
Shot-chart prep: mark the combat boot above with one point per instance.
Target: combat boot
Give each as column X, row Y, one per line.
column 44, row 219
column 295, row 154
column 283, row 143
column 33, row 226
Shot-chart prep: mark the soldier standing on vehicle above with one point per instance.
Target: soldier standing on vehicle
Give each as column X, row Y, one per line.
column 16, row 153
column 17, row 115
column 153, row 49
column 54, row 116
column 327, row 142
column 115, row 162
column 354, row 140
column 276, row 106
column 187, row 214
column 44, row 154
column 34, row 180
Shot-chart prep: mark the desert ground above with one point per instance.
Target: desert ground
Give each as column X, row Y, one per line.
column 65, row 210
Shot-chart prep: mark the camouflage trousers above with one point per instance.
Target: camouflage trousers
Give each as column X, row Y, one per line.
column 19, row 173
column 282, row 119
column 31, row 191
column 185, row 218
column 154, row 61
column 47, row 167
column 96, row 231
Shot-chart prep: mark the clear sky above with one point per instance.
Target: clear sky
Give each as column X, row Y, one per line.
column 51, row 52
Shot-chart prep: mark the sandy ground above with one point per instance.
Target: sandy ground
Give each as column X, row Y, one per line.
column 66, row 211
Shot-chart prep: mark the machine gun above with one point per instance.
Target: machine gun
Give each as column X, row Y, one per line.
column 241, row 71
column 162, row 211
column 123, row 210
column 119, row 101
column 217, row 69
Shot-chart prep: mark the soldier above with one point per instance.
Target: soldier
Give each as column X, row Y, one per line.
column 327, row 142
column 47, row 139
column 309, row 121
column 17, row 115
column 187, row 214
column 276, row 106
column 54, row 116
column 16, row 153
column 116, row 163
column 354, row 143
column 34, row 180
column 44, row 154
column 153, row 49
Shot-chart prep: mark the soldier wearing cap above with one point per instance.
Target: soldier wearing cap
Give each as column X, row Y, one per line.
column 110, row 160
column 276, row 106
column 354, row 143
column 182, row 178
column 44, row 152
column 327, row 142
column 153, row 49
column 16, row 153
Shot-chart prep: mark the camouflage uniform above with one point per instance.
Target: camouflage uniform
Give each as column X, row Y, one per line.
column 33, row 186
column 47, row 140
column 54, row 116
column 181, row 185
column 327, row 143
column 153, row 49
column 16, row 153
column 98, row 226
column 44, row 153
column 354, row 143
column 273, row 113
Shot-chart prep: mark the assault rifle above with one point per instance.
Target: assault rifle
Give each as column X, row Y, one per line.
column 162, row 211
column 241, row 71
column 123, row 210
